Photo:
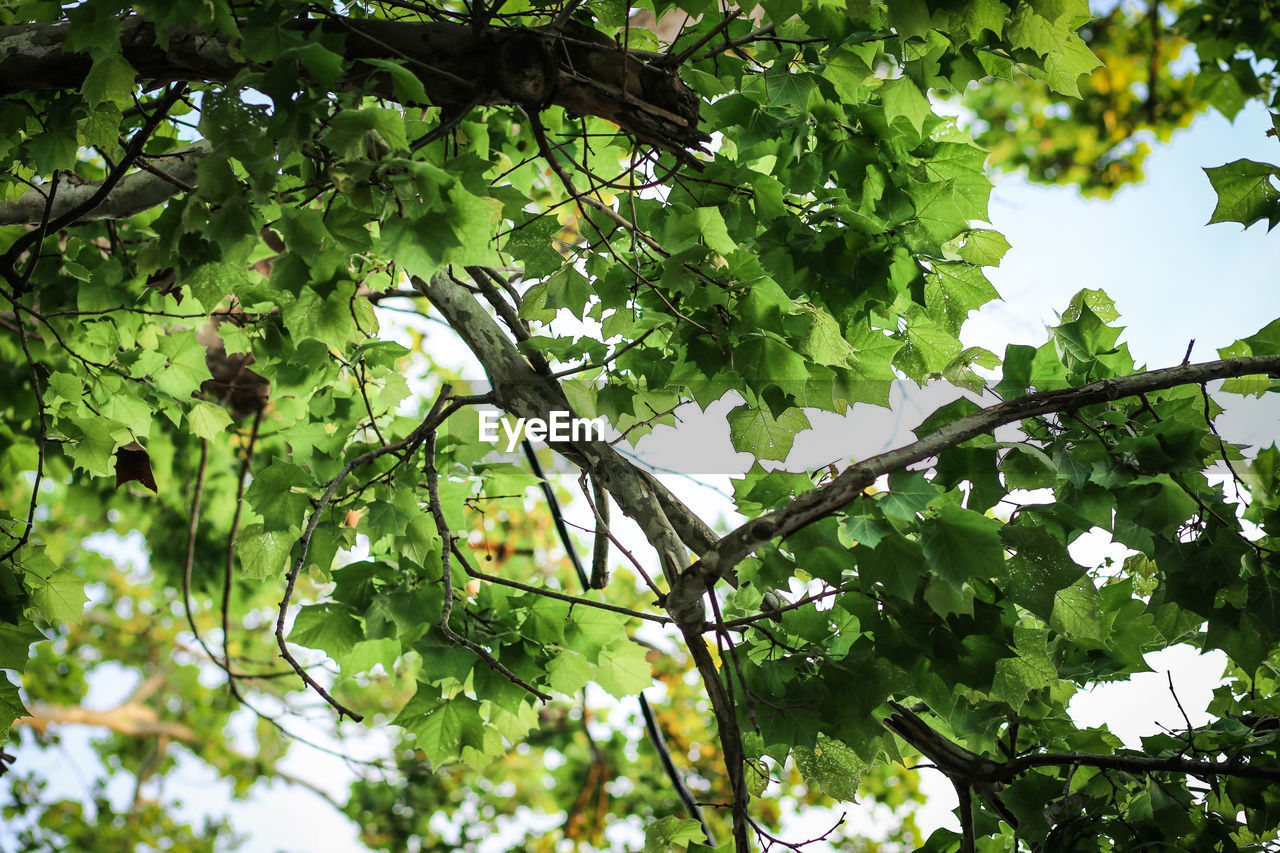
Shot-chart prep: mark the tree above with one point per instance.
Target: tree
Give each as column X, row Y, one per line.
column 209, row 199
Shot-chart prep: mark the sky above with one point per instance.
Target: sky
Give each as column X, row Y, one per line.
column 1173, row 278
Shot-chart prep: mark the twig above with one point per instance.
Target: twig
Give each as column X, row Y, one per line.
column 664, row 757
column 40, row 233
column 1222, row 445
column 42, row 441
column 446, row 552
column 447, row 124
column 675, row 60
column 364, row 395
column 725, row 641
column 544, row 145
column 192, row 526
column 965, row 808
column 409, row 443
column 147, row 166
column 229, row 567
column 566, row 13
column 730, row 734
column 551, row 593
column 631, row 558
column 750, row 621
column 589, row 366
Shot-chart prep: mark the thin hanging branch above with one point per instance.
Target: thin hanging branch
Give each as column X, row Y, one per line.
column 409, row 444
column 446, row 554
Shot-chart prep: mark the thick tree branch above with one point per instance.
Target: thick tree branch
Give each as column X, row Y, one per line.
column 727, row 728
column 824, row 500
column 33, row 239
column 132, row 719
column 1143, row 764
column 571, row 66
column 133, row 194
column 519, row 389
column 988, row 776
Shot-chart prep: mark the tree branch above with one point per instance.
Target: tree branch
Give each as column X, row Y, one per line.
column 571, row 66
column 32, row 239
column 520, row 390
column 131, row 719
column 824, row 500
column 133, row 194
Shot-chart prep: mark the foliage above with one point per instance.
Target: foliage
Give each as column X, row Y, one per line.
column 208, row 206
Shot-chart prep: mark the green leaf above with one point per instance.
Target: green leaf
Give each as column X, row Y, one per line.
column 671, row 833
column 1038, row 568
column 1246, row 193
column 903, row 99
column 367, row 654
column 93, row 450
column 1077, row 612
column 110, row 80
column 419, row 245
column 547, row 620
column 569, row 672
column 209, row 283
column 755, row 430
column 710, row 225
column 264, row 554
column 207, row 420
column 184, row 368
column 58, row 593
column 442, row 727
column 329, row 319
column 952, row 291
column 405, row 85
column 532, row 242
column 865, row 525
column 368, row 133
column 329, row 627
column 11, row 707
column 835, row 767
column 15, row 644
column 960, row 544
column 983, row 247
column 622, row 669
column 896, row 563
column 1032, row 669
column 909, row 493
column 847, row 72
column 979, row 15
column 823, row 342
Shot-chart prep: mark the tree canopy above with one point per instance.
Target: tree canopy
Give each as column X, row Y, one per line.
column 213, row 216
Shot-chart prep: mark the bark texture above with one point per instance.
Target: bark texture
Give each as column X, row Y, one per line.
column 136, row 192
column 573, row 67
